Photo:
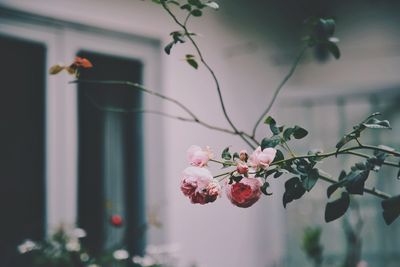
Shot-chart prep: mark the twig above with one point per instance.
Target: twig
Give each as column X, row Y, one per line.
column 211, row 71
column 278, row 89
column 137, row 86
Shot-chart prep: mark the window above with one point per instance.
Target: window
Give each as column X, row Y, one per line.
column 65, row 146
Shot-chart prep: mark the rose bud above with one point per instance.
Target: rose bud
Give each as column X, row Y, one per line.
column 244, row 193
column 243, row 156
column 242, row 168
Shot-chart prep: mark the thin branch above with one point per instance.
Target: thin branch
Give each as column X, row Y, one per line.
column 211, row 71
column 278, row 89
column 137, row 86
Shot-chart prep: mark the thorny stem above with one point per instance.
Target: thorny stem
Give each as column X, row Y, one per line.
column 278, row 89
column 343, row 151
column 211, row 71
column 328, row 178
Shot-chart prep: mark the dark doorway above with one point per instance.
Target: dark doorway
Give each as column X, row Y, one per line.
column 22, row 153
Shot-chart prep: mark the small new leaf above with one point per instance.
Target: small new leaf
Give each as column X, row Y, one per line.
column 190, row 59
column 337, row 208
column 264, row 188
column 212, row 4
column 225, row 154
column 168, row 48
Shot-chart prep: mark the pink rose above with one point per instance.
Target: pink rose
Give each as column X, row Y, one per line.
column 262, row 159
column 198, row 184
column 198, row 156
column 244, row 193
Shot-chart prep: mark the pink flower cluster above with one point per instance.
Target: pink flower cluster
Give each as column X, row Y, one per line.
column 200, row 187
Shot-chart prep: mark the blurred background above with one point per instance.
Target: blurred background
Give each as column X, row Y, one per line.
column 65, row 161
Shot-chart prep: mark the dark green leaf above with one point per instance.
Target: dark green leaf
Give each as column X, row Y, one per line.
column 288, row 133
column 311, row 179
column 187, row 7
column 341, row 182
column 168, row 47
column 225, row 154
column 278, row 174
column 333, row 49
column 196, row 13
column 356, row 181
column 299, row 132
column 391, row 209
column 156, row 1
column 236, row 155
column 278, row 156
column 337, row 208
column 264, row 188
column 270, row 142
column 192, row 61
column 293, row 190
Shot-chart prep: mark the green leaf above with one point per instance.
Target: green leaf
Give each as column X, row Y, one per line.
column 269, row 120
column 356, row 181
column 278, row 156
column 264, row 188
column 270, row 142
column 225, row 154
column 236, row 155
column 299, row 132
column 192, row 61
column 168, row 48
column 333, row 49
column 196, row 13
column 288, row 133
column 212, row 4
column 337, row 208
column 293, row 190
column 156, row 1
column 311, row 179
column 391, row 209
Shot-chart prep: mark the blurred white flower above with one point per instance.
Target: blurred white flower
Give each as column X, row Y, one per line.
column 121, row 254
column 73, row 245
column 78, row 233
column 27, row 246
column 84, row 257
